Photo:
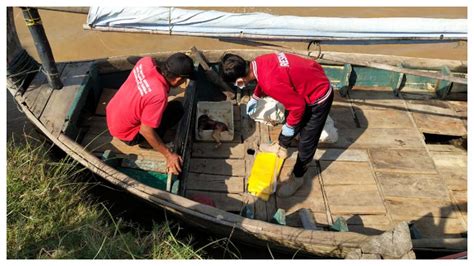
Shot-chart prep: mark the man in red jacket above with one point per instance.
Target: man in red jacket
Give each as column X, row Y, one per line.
column 302, row 87
column 140, row 109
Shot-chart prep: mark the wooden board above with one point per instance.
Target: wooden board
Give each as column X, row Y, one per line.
column 105, row 98
column 415, row 208
column 354, row 199
column 218, row 183
column 380, row 118
column 308, row 196
column 60, row 101
column 375, row 98
column 346, row 173
column 367, row 224
column 343, row 116
column 226, row 167
column 436, row 117
column 38, row 93
column 353, row 155
column 402, row 160
column 413, row 185
column 225, row 150
column 362, row 138
column 224, row 201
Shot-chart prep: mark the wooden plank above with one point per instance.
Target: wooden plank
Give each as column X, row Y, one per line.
column 380, row 118
column 346, row 173
column 445, row 148
column 218, row 183
column 105, row 98
column 39, row 92
column 264, row 134
column 343, row 116
column 226, row 167
column 99, row 143
column 362, row 138
column 367, row 224
column 354, row 199
column 412, row 209
column 274, row 132
column 413, row 185
column 225, row 150
column 225, row 201
column 436, row 117
column 308, row 196
column 402, row 160
column 354, row 155
column 436, row 227
column 55, row 111
column 375, row 98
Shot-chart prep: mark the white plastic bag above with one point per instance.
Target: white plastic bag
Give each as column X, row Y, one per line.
column 329, row 134
column 269, row 112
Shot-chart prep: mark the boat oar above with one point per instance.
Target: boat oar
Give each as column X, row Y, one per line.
column 212, row 76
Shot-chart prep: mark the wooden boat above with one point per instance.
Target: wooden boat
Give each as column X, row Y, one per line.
column 397, row 193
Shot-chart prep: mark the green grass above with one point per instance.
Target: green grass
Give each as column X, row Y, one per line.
column 49, row 217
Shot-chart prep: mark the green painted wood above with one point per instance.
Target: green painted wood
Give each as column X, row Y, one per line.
column 397, row 82
column 149, row 178
column 444, row 86
column 89, row 85
column 345, row 80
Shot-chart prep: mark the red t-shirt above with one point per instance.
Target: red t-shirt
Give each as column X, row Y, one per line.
column 142, row 99
column 291, row 80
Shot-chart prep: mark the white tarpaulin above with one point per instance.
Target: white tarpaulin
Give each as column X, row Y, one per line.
column 211, row 23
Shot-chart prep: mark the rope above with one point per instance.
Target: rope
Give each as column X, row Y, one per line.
column 318, row 45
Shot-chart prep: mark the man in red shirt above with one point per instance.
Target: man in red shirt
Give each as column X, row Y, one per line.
column 302, row 87
column 140, row 109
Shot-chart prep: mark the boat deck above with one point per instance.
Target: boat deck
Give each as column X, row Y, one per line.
column 380, row 172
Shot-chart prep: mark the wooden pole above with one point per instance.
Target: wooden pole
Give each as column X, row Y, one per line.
column 33, row 21
column 212, row 75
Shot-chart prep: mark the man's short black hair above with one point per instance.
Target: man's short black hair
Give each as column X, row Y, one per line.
column 232, row 67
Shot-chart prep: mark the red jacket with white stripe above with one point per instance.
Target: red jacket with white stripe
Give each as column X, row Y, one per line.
column 293, row 81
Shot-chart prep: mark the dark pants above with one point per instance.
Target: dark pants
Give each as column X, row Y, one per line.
column 310, row 129
column 171, row 116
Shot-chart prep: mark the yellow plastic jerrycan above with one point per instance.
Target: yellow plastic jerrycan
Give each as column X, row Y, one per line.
column 263, row 177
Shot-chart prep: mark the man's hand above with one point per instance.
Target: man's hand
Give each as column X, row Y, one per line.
column 173, row 163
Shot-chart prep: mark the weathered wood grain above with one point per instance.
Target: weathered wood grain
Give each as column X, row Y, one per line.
column 362, row 138
column 352, row 155
column 218, row 183
column 226, row 167
column 354, row 199
column 402, row 160
column 346, row 173
column 57, row 107
column 413, row 185
column 225, row 150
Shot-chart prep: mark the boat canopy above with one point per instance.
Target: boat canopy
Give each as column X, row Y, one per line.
column 217, row 24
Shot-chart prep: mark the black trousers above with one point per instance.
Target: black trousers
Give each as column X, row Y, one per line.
column 174, row 111
column 310, row 129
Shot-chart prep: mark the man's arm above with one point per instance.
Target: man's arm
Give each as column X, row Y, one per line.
column 173, row 160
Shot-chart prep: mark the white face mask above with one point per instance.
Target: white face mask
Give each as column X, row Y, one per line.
column 239, row 83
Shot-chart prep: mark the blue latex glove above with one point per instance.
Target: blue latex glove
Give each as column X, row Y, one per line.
column 287, row 131
column 252, row 106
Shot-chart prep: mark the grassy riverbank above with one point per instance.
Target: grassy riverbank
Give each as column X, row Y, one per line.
column 48, row 216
